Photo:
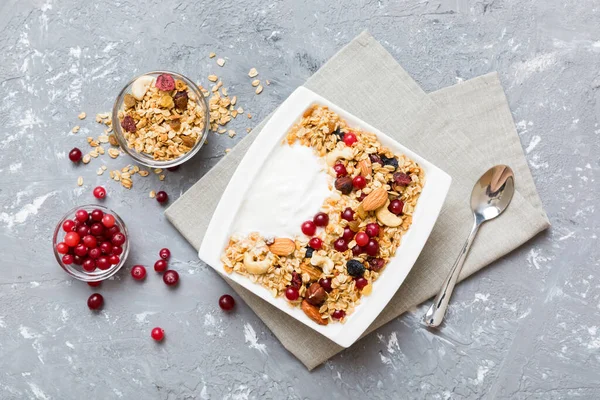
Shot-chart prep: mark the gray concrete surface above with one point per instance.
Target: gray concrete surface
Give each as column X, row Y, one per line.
column 524, row 328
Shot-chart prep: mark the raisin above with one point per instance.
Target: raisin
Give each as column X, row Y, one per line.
column 296, row 280
column 402, row 179
column 165, row 82
column 375, row 159
column 128, row 124
column 181, row 100
column 340, row 135
column 309, row 252
column 375, row 264
column 393, row 161
column 355, row 268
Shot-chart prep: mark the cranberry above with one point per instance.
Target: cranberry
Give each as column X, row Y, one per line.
column 94, row 284
column 103, row 263
column 326, row 284
column 109, row 233
column 89, row 265
column 68, row 225
column 321, row 219
column 67, row 259
column 173, row 169
column 360, row 283
column 83, row 230
column 157, row 334
column 372, row 229
column 292, row 293
column 108, row 221
column 138, row 272
column 62, row 248
column 362, row 196
column 81, row 215
column 396, row 206
column 338, row 314
column 171, row 277
column 357, row 250
column 160, row 265
column 95, row 253
column 362, row 238
column 296, row 280
column 97, row 215
column 348, row 234
column 348, row 214
column 226, row 302
column 164, row 253
column 95, row 301
column 77, row 260
column 90, row 241
column 118, row 239
column 72, row 239
column 162, row 197
column 106, row 247
column 340, row 170
column 316, row 243
column 99, row 192
column 350, row 139
column 75, row 155
column 97, row 229
column 116, row 251
column 308, row 228
column 375, row 159
column 402, row 179
column 340, row 245
column 359, row 182
column 376, row 264
column 372, row 247
column 114, row 259
column 81, row 250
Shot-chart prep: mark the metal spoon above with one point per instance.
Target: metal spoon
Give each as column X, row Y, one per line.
column 490, row 197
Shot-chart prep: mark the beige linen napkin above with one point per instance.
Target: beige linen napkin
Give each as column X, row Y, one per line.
column 464, row 130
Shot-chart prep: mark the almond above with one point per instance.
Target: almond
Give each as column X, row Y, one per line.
column 375, row 199
column 313, row 272
column 282, row 247
column 365, row 167
column 313, row 313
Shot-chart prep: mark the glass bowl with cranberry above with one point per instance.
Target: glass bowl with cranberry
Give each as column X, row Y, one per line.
column 160, row 119
column 91, row 243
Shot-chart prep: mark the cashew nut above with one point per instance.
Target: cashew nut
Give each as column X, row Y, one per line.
column 345, row 153
column 256, row 267
column 386, row 217
column 140, row 86
column 325, row 263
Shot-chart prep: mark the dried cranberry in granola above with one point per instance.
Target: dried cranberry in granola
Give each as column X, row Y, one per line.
column 165, row 82
column 128, row 123
column 402, row 179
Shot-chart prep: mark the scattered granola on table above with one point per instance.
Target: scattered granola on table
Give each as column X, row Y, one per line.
column 350, row 241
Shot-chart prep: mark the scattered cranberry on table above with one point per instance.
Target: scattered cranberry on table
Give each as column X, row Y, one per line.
column 396, row 206
column 160, row 265
column 75, row 155
column 226, row 302
column 308, row 228
column 359, row 182
column 338, row 314
column 362, row 238
column 171, row 277
column 372, row 229
column 340, row 245
column 94, row 284
column 348, row 234
column 173, row 169
column 99, row 192
column 321, row 219
column 162, row 197
column 340, row 170
column 316, row 243
column 138, row 272
column 292, row 293
column 95, row 301
column 350, row 139
column 360, row 283
column 157, row 334
column 164, row 253
column 348, row 214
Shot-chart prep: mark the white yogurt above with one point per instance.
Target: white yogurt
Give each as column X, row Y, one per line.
column 289, row 190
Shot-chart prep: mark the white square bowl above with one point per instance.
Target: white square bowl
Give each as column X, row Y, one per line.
column 437, row 183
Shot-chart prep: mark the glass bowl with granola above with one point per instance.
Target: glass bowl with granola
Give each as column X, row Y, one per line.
column 162, row 119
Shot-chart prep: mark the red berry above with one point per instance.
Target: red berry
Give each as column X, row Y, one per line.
column 348, row 214
column 95, row 301
column 75, row 155
column 94, row 284
column 157, row 334
column 114, row 259
column 80, row 250
column 376, row 264
column 118, row 239
column 81, row 215
column 316, row 243
column 97, row 215
column 362, row 238
column 396, row 206
column 109, row 233
column 357, row 250
column 171, row 277
column 116, row 250
column 99, row 192
column 68, row 225
column 103, row 263
column 83, row 230
column 95, row 253
column 89, row 265
column 308, row 228
column 173, row 169
column 372, row 247
column 138, row 272
column 67, row 259
column 162, row 197
column 321, row 219
column 359, row 182
column 108, row 221
column 226, row 302
column 348, row 234
column 97, row 229
column 62, row 248
column 340, row 245
column 338, row 314
column 372, row 229
column 90, row 241
column 292, row 293
column 77, row 260
column 360, row 283
column 106, row 247
column 160, row 265
column 350, row 139
column 340, row 170
column 72, row 239
column 164, row 253
column 326, row 284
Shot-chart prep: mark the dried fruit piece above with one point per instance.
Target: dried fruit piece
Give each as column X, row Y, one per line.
column 166, row 101
column 128, row 123
column 377, row 198
column 296, row 280
column 376, row 264
column 402, row 179
column 282, row 247
column 188, row 141
column 180, row 85
column 344, row 184
column 313, row 313
column 175, row 124
column 355, row 268
column 129, row 101
column 181, row 100
column 315, row 294
column 165, row 82
column 392, row 161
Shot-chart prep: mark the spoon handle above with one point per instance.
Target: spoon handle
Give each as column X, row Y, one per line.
column 435, row 315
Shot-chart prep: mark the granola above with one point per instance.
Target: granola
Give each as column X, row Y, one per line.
column 373, row 198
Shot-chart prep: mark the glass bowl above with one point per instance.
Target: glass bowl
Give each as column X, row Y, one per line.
column 147, row 159
column 77, row 271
